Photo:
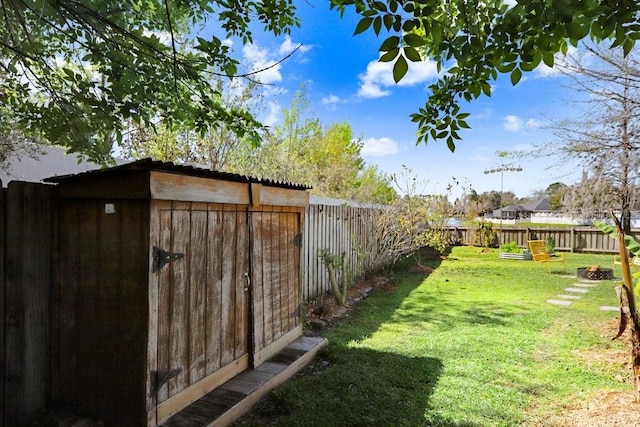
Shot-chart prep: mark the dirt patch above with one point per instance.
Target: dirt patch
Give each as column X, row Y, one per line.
column 606, row 408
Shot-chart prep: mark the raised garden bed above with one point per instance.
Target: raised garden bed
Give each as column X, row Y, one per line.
column 521, row 256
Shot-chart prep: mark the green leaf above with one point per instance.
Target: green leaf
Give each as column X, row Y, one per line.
column 390, row 56
column 627, row 46
column 630, row 243
column 363, row 25
column 506, row 68
column 230, row 69
column 377, row 25
column 379, row 5
column 413, row 40
column 486, row 88
column 548, row 58
column 412, row 54
column 408, row 25
column 388, row 21
column 400, row 68
column 389, row 43
column 451, row 144
column 516, row 75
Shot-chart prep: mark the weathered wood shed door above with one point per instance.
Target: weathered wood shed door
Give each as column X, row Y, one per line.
column 203, row 322
column 276, row 291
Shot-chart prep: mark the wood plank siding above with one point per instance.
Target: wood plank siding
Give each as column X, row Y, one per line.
column 339, row 229
column 101, row 324
column 276, row 260
column 202, row 305
column 28, row 242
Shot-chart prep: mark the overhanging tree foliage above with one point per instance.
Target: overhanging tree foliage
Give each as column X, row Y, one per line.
column 475, row 41
column 76, row 71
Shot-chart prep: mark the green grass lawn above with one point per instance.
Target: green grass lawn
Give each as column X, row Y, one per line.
column 474, row 343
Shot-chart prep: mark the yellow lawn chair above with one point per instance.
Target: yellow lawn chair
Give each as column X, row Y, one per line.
column 539, row 254
column 633, row 262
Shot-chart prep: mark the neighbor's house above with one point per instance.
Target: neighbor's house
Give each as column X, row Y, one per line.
column 50, row 162
column 525, row 211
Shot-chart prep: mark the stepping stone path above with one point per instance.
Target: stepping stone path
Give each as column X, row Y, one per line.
column 575, row 292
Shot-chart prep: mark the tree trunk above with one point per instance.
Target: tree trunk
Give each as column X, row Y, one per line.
column 635, row 358
column 633, row 310
column 340, row 295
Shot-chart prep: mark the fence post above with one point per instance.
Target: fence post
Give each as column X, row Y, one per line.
column 3, row 242
column 572, row 239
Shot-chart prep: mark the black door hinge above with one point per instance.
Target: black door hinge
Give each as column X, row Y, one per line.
column 160, row 378
column 162, row 258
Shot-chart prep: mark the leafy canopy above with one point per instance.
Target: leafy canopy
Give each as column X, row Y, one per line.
column 75, row 72
column 474, row 41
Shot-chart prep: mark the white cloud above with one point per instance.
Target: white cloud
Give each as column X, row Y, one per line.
column 512, row 123
column 379, row 76
column 331, row 99
column 258, row 58
column 289, row 46
column 559, row 65
column 371, row 90
column 267, row 62
column 378, row 147
column 534, row 124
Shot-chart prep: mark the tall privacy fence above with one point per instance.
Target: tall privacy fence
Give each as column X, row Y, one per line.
column 27, row 254
column 339, row 228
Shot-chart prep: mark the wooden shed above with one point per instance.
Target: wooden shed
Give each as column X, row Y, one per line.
column 172, row 280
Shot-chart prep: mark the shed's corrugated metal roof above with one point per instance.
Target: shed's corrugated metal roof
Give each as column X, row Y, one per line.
column 155, row 165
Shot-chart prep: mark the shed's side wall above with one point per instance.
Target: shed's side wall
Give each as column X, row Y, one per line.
column 102, row 298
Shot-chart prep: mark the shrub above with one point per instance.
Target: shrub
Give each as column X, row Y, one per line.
column 511, row 247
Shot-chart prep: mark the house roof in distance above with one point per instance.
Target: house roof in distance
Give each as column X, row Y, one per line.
column 543, row 204
column 52, row 161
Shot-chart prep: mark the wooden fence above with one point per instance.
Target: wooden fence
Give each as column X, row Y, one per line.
column 574, row 239
column 27, row 252
column 338, row 229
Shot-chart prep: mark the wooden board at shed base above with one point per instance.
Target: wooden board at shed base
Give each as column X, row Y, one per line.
column 237, row 396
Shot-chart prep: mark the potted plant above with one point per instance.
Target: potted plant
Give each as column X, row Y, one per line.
column 512, row 251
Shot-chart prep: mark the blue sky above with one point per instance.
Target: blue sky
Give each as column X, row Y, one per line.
column 344, row 81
